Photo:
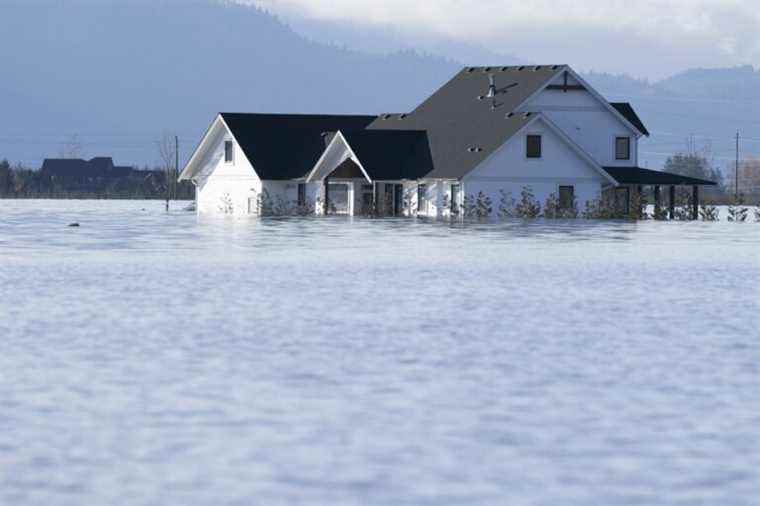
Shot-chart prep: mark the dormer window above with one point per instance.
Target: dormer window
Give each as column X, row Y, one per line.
column 533, row 146
column 229, row 152
column 622, row 148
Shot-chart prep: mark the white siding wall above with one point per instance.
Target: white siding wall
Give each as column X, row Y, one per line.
column 510, row 170
column 219, row 180
column 585, row 120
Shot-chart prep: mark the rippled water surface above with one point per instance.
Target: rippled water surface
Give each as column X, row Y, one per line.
column 154, row 359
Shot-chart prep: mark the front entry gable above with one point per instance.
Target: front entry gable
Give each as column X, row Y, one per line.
column 338, row 160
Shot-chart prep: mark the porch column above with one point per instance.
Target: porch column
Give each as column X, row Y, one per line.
column 375, row 199
column 657, row 202
column 672, row 203
column 327, row 196
column 695, row 202
column 639, row 199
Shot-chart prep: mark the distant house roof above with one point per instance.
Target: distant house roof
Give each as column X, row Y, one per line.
column 463, row 124
column 637, row 175
column 76, row 167
column 286, row 146
column 625, row 109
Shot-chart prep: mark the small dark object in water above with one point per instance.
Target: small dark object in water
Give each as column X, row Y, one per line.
column 74, row 224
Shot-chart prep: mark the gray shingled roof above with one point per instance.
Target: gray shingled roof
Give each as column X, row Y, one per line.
column 464, row 126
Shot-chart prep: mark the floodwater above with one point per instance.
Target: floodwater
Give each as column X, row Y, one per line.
column 154, row 359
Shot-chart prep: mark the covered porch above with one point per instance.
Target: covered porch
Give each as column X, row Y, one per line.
column 370, row 172
column 629, row 193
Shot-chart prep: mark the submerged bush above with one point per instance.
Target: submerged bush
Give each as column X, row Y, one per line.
column 551, row 206
column 708, row 213
column 638, row 207
column 737, row 212
column 483, row 206
column 226, row 206
column 528, row 207
column 601, row 209
column 506, row 205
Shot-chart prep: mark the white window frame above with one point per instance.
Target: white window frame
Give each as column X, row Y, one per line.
column 231, row 143
column 630, row 146
column 541, row 146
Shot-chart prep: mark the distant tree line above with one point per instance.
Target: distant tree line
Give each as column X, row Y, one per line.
column 19, row 181
column 697, row 164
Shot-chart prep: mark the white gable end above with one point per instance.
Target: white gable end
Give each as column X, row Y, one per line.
column 230, row 186
column 509, row 170
column 559, row 160
column 586, row 119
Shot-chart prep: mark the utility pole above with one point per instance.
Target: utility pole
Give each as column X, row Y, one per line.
column 736, row 169
column 176, row 165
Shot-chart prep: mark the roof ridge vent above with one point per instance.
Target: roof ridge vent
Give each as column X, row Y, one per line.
column 510, row 115
column 527, row 115
column 402, row 116
column 521, row 67
column 474, row 149
column 537, row 68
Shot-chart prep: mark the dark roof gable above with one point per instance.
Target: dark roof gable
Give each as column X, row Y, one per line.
column 287, row 146
column 625, row 110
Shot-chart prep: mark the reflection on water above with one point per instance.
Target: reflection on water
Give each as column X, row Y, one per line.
column 148, row 358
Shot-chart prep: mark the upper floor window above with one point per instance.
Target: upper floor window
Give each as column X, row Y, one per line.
column 622, row 148
column 533, row 146
column 228, row 152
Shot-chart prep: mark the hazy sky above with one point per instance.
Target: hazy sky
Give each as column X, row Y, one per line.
column 648, row 38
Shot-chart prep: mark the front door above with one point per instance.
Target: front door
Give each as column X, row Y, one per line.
column 622, row 201
column 338, row 195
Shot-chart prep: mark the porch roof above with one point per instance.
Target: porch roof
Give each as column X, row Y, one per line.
column 639, row 176
column 391, row 154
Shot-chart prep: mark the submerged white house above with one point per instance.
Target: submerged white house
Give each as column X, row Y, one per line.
column 489, row 132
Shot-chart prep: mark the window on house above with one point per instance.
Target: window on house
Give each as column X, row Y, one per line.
column 228, row 151
column 301, row 194
column 623, row 148
column 566, row 197
column 533, row 146
column 454, row 197
column 421, row 198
